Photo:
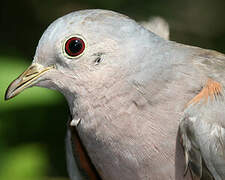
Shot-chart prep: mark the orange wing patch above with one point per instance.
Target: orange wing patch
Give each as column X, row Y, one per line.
column 211, row 90
column 83, row 161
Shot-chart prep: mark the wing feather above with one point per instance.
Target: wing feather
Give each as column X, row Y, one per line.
column 203, row 134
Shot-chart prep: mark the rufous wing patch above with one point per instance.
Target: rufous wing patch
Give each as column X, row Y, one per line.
column 81, row 157
column 211, row 90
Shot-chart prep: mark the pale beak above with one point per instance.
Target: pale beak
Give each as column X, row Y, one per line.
column 25, row 80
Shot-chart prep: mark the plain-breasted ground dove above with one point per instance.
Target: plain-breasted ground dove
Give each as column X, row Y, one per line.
column 134, row 99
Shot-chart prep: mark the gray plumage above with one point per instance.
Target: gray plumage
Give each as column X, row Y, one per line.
column 132, row 91
column 158, row 26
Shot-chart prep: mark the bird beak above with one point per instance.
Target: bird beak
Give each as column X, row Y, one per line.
column 25, row 80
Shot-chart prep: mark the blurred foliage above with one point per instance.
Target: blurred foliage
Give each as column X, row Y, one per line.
column 33, row 125
column 22, row 121
column 27, row 162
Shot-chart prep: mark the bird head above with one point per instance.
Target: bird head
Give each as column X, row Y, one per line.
column 83, row 51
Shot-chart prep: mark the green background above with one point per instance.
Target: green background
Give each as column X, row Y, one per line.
column 33, row 125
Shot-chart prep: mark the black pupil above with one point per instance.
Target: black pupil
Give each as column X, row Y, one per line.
column 75, row 46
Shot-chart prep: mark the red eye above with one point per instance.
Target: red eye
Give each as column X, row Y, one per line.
column 74, row 46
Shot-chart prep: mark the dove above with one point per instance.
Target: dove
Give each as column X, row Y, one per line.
column 142, row 107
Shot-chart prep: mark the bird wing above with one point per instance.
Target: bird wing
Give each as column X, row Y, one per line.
column 72, row 166
column 79, row 164
column 203, row 133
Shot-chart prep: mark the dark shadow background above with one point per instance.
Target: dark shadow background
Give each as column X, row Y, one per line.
column 32, row 127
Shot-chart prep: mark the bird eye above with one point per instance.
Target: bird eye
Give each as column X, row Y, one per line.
column 74, row 46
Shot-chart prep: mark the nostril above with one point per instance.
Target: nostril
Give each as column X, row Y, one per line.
column 31, row 73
